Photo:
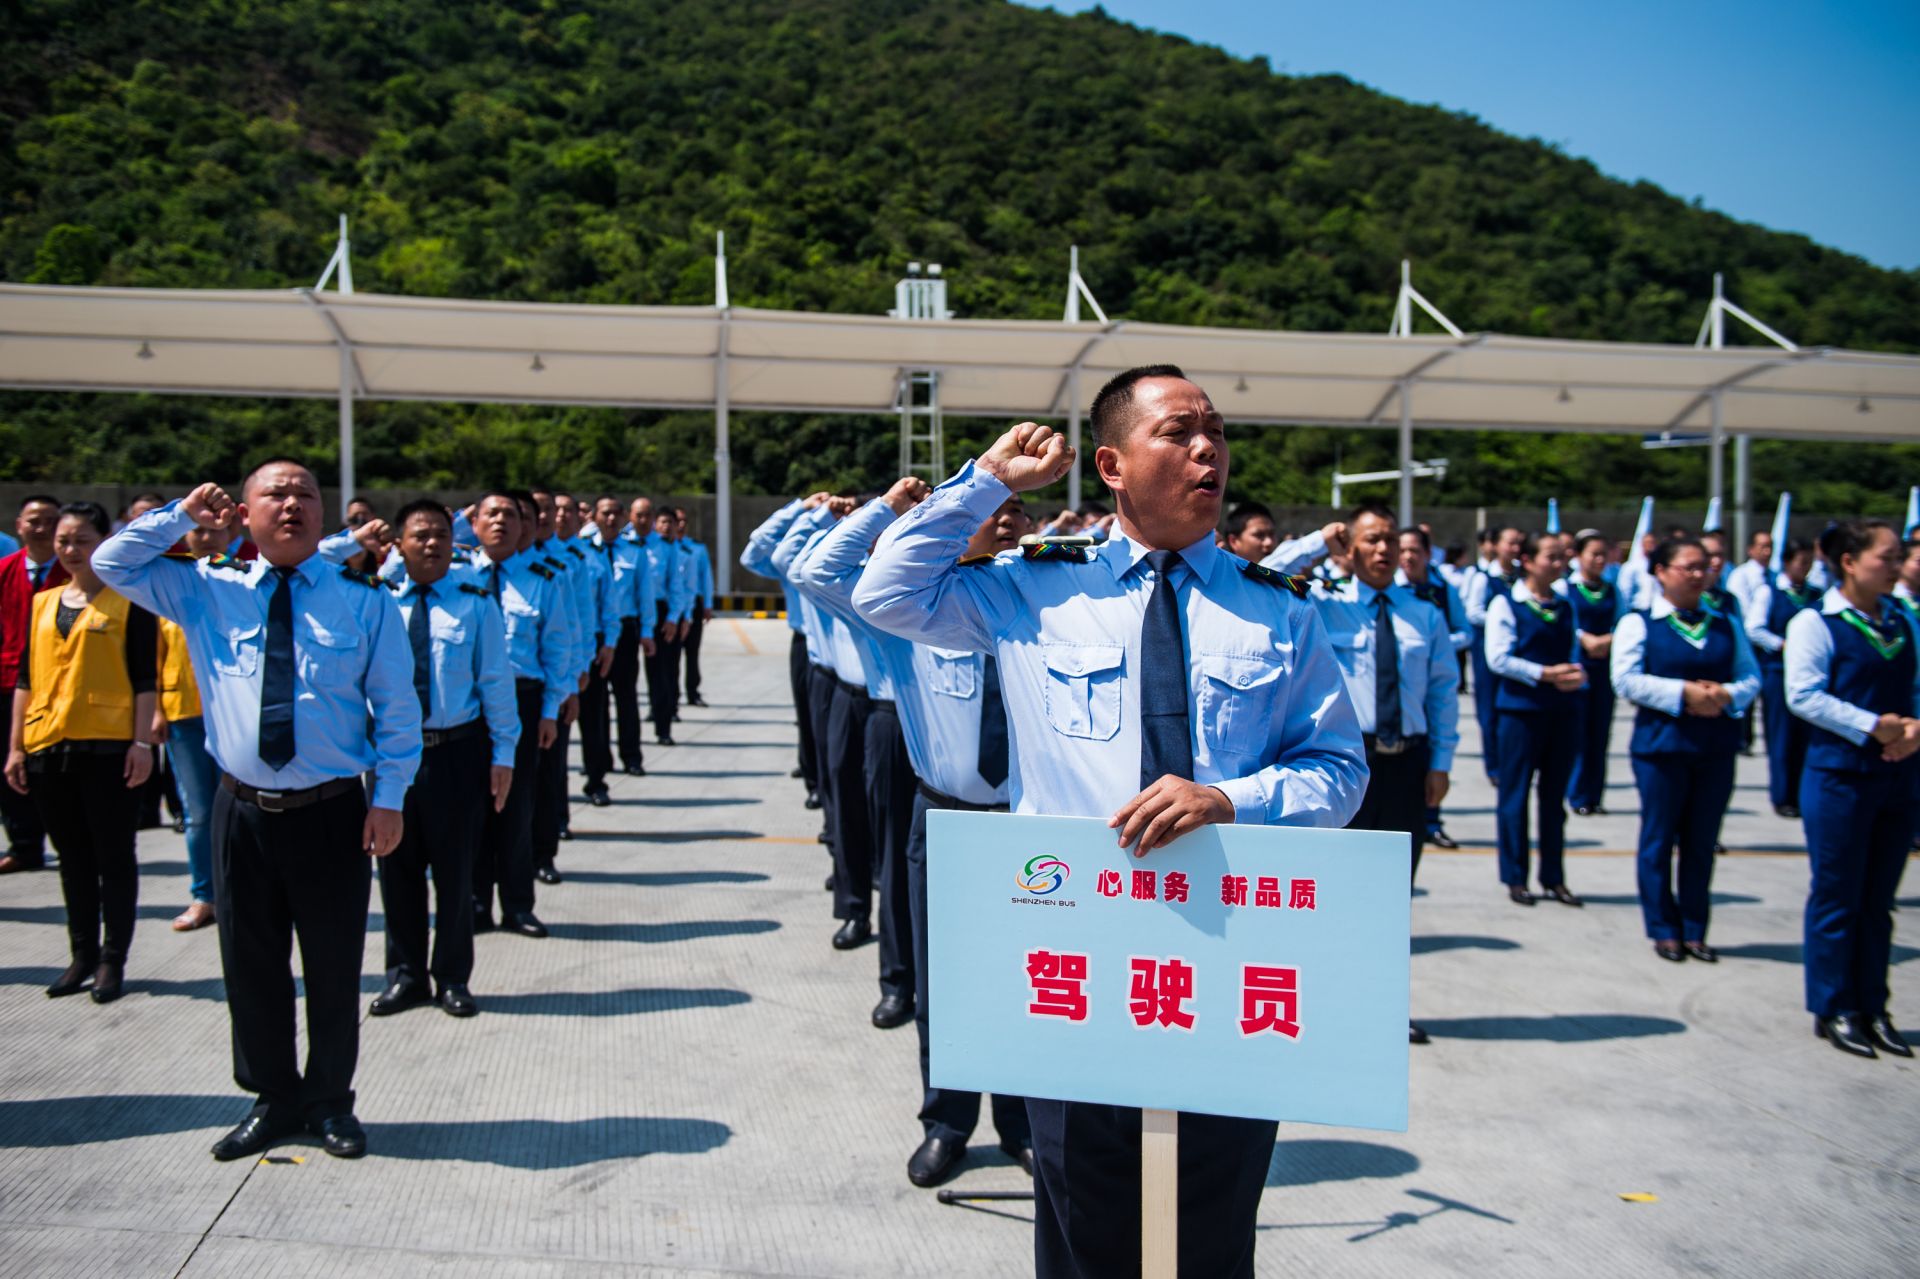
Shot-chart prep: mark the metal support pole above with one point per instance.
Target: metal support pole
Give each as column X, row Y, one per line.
column 1717, row 455
column 722, row 425
column 1742, row 494
column 1406, row 454
column 346, row 429
column 1073, row 438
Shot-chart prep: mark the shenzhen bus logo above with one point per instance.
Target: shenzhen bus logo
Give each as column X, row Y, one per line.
column 1042, row 874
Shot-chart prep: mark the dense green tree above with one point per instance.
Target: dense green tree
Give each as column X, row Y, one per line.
column 588, row 152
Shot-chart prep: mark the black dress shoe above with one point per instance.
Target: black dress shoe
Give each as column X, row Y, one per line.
column 341, row 1136
column 399, row 997
column 524, row 924
column 634, row 770
column 107, row 983
column 797, row 773
column 546, row 874
column 830, row 882
column 1518, row 895
column 13, row 863
column 1786, row 810
column 664, row 739
column 1439, row 838
column 1020, row 1154
column 676, row 717
column 1415, row 1035
column 598, row 796
column 74, row 980
column 482, row 919
column 1583, row 811
column 1884, row 1033
column 255, row 1134
column 823, row 838
column 1563, row 895
column 1847, row 1032
column 1702, row 952
column 1670, row 950
column 457, row 1001
column 565, row 835
column 855, row 932
column 813, row 800
column 694, row 699
column 892, row 1011
column 935, row 1161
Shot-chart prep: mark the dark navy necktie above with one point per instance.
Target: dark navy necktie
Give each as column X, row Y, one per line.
column 420, row 635
column 993, row 724
column 1166, row 725
column 493, row 581
column 1691, row 616
column 276, row 681
column 1386, row 674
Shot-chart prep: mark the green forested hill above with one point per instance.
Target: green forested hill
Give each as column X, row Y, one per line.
column 588, row 151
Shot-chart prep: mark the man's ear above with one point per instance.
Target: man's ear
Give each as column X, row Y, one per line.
column 1107, row 464
column 238, row 521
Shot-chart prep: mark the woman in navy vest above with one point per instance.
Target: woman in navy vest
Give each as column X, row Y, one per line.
column 1596, row 607
column 1691, row 673
column 1775, row 602
column 1533, row 652
column 1851, row 675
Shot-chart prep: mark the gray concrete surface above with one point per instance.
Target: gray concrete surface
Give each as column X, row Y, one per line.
column 682, row 1079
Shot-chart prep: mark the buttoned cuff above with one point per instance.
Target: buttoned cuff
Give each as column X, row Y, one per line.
column 550, row 700
column 1862, row 722
column 1248, row 797
column 1441, row 761
column 388, row 794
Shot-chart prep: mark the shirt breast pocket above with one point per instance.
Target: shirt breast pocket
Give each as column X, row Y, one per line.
column 241, row 655
column 1238, row 698
column 332, row 653
column 952, row 673
column 1083, row 689
column 448, row 630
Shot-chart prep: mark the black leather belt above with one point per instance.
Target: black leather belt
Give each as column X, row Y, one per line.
column 940, row 799
column 522, row 684
column 432, row 737
column 1401, row 747
column 65, row 755
column 855, row 690
column 285, row 801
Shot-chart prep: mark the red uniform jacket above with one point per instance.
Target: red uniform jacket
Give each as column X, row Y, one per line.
column 16, row 611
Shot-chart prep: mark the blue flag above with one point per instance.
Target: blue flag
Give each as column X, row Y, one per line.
column 1553, row 515
column 1780, row 515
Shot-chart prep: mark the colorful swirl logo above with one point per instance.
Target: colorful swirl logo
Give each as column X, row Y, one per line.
column 1042, row 875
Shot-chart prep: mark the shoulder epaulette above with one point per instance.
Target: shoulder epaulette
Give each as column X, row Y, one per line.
column 969, row 561
column 473, row 588
column 539, row 570
column 189, row 556
column 1056, row 552
column 576, row 552
column 365, row 579
column 552, row 562
column 461, row 555
column 223, row 560
column 1285, row 581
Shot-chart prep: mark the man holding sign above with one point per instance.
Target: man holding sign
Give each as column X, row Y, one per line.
column 1155, row 681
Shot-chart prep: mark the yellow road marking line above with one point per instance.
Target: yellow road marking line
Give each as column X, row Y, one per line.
column 740, row 631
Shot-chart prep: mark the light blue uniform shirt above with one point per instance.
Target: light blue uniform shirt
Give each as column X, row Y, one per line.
column 936, row 691
column 1298, row 555
column 757, row 556
column 1500, row 637
column 1481, row 589
column 1272, row 726
column 827, row 569
column 1429, row 672
column 595, row 579
column 581, row 612
column 1459, row 634
column 701, row 565
column 8, row 544
column 811, row 625
column 1627, row 666
column 672, row 576
column 539, row 638
column 350, row 649
column 1809, row 661
column 471, row 676
column 845, row 656
column 633, row 586
column 1637, row 585
column 1742, row 581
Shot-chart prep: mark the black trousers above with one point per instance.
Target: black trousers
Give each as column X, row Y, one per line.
column 446, row 807
column 26, row 833
column 663, row 676
column 798, row 669
column 1086, row 1190
column 821, row 686
column 89, row 813
column 1396, row 797
column 852, row 837
column 550, row 798
column 891, row 787
column 947, row 1113
column 596, row 727
column 506, row 842
column 690, row 647
column 625, row 679
column 282, row 877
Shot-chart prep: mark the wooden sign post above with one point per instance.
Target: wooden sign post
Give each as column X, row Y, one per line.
column 1159, row 1194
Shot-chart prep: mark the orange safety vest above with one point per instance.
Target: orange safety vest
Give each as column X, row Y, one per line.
column 81, row 691
column 179, row 693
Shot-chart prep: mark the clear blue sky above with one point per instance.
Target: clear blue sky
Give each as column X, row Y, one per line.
column 1802, row 117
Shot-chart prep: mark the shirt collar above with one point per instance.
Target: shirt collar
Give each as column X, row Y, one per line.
column 310, row 570
column 1521, row 591
column 1662, row 606
column 1366, row 594
column 1122, row 554
column 1834, row 602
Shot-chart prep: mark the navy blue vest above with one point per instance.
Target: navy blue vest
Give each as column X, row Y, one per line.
column 1595, row 617
column 1669, row 656
column 1781, row 607
column 1859, row 676
column 1548, row 644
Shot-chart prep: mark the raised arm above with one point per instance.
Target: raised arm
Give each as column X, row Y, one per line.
column 829, row 570
column 757, row 555
column 134, row 563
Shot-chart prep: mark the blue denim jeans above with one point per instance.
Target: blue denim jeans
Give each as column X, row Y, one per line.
column 194, row 772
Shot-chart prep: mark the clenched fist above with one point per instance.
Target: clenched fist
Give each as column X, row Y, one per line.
column 210, row 506
column 1028, row 457
column 907, row 492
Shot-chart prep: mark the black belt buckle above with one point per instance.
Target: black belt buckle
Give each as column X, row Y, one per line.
column 267, row 801
column 1398, row 747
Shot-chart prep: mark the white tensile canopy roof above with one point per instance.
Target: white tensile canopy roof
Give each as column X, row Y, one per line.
column 361, row 346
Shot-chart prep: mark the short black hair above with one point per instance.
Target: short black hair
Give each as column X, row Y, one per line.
column 1795, row 546
column 1415, row 530
column 500, row 492
column 1530, row 542
column 247, row 483
column 1676, row 530
column 1487, row 536
column 1586, row 539
column 1753, row 538
column 1244, row 514
column 423, row 506
column 1109, row 416
column 1376, row 509
column 1662, row 555
column 93, row 513
column 33, row 498
column 1850, row 537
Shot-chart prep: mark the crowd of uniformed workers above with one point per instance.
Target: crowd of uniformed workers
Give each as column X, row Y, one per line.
column 408, row 687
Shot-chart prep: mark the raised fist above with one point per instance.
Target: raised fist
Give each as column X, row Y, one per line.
column 907, row 492
column 1028, row 457
column 210, row 506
